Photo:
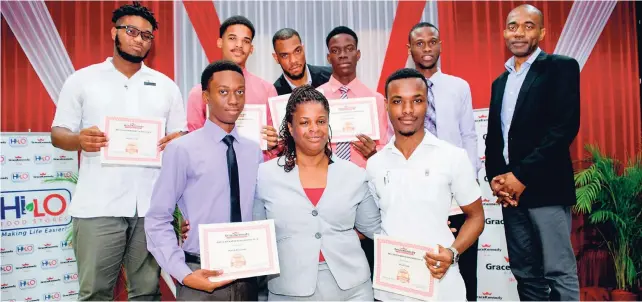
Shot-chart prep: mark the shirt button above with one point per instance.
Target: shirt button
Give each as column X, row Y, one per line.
column 315, row 213
column 317, row 235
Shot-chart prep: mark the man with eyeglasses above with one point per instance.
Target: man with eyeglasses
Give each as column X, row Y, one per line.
column 110, row 203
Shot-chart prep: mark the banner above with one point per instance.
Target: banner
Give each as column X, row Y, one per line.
column 38, row 262
column 494, row 278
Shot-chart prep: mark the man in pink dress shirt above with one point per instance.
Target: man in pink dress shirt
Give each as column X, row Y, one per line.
column 343, row 55
column 236, row 35
column 342, row 43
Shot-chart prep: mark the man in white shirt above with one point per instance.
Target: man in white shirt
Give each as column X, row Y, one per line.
column 110, row 203
column 413, row 179
column 453, row 122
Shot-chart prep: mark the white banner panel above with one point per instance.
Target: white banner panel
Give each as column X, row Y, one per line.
column 38, row 262
column 494, row 278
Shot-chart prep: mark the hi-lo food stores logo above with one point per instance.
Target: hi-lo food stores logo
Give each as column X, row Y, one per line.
column 34, row 209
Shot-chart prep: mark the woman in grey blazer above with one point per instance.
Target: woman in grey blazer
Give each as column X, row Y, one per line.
column 316, row 201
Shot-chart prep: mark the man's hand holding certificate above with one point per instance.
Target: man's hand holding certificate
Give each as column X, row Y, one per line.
column 240, row 250
column 400, row 268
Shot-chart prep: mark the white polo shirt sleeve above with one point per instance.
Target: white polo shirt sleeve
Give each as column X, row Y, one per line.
column 177, row 118
column 69, row 106
column 464, row 185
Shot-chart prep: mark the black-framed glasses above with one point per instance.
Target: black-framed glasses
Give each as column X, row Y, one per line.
column 134, row 32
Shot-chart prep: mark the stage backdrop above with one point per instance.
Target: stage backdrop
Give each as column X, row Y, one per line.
column 43, row 42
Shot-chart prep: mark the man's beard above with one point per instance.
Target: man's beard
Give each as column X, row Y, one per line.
column 409, row 133
column 424, row 67
column 128, row 57
column 295, row 76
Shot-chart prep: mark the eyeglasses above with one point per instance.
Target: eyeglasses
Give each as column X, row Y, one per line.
column 134, row 32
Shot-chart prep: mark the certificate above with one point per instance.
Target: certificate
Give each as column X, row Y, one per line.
column 349, row 117
column 400, row 268
column 250, row 123
column 241, row 250
column 133, row 141
column 278, row 105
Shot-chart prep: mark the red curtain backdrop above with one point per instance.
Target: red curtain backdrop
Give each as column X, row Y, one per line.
column 84, row 27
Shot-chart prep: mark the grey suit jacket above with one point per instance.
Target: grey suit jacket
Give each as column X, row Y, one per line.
column 303, row 230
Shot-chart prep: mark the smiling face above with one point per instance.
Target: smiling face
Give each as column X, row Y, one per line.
column 236, row 44
column 406, row 105
column 225, row 97
column 309, row 127
column 425, row 47
column 524, row 30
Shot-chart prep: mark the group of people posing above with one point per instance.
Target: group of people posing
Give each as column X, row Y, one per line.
column 418, row 182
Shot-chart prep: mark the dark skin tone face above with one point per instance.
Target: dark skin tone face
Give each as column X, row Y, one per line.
column 290, row 54
column 425, row 47
column 225, row 97
column 236, row 44
column 343, row 56
column 406, row 105
column 309, row 128
column 134, row 46
column 524, row 30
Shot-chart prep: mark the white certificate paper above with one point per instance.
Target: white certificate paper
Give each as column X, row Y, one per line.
column 241, row 250
column 278, row 106
column 400, row 268
column 349, row 117
column 133, row 141
column 250, row 123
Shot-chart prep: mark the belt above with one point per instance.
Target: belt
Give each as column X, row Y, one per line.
column 192, row 258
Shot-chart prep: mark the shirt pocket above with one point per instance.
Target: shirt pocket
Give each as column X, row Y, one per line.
column 431, row 184
column 155, row 102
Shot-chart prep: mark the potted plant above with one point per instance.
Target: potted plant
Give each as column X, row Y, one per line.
column 611, row 194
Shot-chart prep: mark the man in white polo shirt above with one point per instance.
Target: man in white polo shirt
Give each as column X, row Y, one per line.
column 413, row 179
column 110, row 203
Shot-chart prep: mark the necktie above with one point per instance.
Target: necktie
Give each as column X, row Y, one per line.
column 343, row 149
column 233, row 173
column 430, row 121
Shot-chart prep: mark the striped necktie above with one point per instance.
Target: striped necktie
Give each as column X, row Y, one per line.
column 430, row 121
column 343, row 149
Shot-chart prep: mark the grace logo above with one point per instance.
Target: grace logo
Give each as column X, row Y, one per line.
column 495, row 267
column 488, row 296
column 487, row 247
column 494, row 221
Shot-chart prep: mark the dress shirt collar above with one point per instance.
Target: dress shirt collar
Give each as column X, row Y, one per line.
column 429, row 139
column 217, row 133
column 435, row 76
column 510, row 64
column 109, row 65
column 307, row 71
column 335, row 84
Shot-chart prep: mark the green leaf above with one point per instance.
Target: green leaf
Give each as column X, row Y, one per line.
column 30, row 207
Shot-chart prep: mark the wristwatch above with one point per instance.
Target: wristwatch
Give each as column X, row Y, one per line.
column 455, row 254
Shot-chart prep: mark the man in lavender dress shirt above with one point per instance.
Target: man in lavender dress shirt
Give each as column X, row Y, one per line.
column 211, row 175
column 450, row 118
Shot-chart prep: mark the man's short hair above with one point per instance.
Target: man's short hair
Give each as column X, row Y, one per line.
column 284, row 34
column 405, row 73
column 234, row 20
column 341, row 30
column 421, row 25
column 134, row 9
column 217, row 66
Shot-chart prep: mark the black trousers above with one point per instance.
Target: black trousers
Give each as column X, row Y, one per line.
column 467, row 260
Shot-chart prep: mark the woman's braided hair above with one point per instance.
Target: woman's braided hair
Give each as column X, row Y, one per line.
column 301, row 94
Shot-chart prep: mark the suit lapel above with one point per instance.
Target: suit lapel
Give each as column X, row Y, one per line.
column 498, row 93
column 531, row 76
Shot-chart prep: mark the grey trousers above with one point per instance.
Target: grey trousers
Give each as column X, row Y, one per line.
column 239, row 290
column 540, row 253
column 102, row 245
column 328, row 290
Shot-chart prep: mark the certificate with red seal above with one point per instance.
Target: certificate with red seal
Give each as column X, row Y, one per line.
column 400, row 268
column 133, row 141
column 349, row 117
column 241, row 249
